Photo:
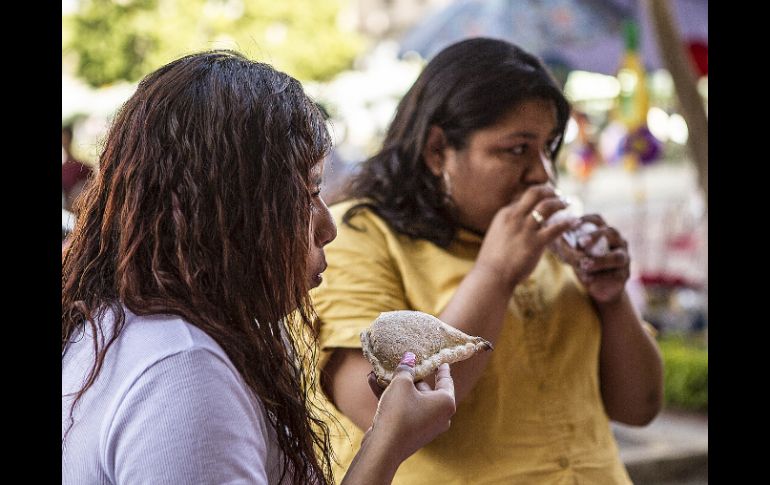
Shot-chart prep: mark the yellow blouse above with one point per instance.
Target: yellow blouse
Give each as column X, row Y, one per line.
column 535, row 416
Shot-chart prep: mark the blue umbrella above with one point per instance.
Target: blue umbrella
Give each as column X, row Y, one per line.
column 566, row 34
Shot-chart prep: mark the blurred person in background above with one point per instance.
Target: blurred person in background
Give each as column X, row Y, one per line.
column 185, row 289
column 74, row 173
column 450, row 218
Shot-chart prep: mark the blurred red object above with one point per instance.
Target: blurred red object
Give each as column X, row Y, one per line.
column 666, row 280
column 699, row 53
column 72, row 174
column 683, row 242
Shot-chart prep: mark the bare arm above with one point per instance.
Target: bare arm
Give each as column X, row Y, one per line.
column 374, row 464
column 408, row 417
column 477, row 308
column 630, row 366
column 345, row 383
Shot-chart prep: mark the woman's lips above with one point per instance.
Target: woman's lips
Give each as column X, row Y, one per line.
column 316, row 277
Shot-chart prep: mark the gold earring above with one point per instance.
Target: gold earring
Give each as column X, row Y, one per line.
column 447, row 183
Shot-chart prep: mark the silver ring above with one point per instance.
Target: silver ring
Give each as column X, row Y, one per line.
column 537, row 216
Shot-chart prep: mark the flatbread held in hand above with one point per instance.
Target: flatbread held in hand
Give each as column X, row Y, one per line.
column 432, row 341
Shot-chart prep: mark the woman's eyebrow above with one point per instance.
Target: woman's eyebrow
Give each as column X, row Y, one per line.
column 520, row 134
column 530, row 135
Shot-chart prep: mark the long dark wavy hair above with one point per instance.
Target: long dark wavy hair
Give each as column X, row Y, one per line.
column 467, row 86
column 201, row 208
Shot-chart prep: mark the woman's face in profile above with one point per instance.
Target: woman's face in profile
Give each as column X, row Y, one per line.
column 322, row 229
column 500, row 162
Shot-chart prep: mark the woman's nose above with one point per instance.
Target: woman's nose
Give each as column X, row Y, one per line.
column 540, row 169
column 325, row 228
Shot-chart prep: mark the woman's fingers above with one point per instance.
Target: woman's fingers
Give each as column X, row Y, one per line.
column 568, row 253
column 372, row 380
column 612, row 280
column 615, row 259
column 444, row 380
column 594, row 218
column 532, row 196
column 544, row 209
column 552, row 231
column 613, row 237
column 422, row 386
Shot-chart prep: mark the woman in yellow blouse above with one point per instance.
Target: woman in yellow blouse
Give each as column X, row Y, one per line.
column 448, row 218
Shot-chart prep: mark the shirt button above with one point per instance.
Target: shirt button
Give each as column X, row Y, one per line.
column 563, row 462
column 528, row 313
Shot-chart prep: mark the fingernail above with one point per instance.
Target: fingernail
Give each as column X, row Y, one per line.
column 408, row 359
column 586, row 263
column 559, row 194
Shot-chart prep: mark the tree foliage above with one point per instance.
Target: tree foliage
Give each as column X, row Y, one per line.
column 115, row 40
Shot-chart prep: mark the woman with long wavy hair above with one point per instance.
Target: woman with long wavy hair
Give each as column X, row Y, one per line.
column 185, row 285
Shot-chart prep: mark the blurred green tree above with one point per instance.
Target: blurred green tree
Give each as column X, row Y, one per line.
column 116, row 40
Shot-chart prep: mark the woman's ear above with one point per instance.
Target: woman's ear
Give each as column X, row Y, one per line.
column 433, row 151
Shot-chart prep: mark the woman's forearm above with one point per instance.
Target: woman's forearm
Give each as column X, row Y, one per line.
column 374, row 464
column 477, row 308
column 631, row 368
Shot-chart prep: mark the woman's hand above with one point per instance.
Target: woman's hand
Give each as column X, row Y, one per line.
column 410, row 415
column 516, row 239
column 604, row 277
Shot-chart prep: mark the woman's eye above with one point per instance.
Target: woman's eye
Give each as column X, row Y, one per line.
column 315, row 195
